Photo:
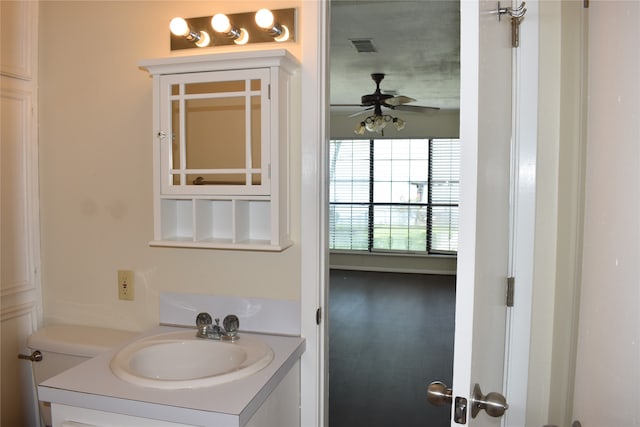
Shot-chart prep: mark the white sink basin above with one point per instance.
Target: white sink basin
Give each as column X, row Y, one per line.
column 177, row 360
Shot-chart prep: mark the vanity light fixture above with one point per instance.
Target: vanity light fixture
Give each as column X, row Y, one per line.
column 264, row 26
column 221, row 24
column 179, row 27
column 266, row 21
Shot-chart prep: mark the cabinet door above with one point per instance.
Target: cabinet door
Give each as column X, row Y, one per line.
column 215, row 129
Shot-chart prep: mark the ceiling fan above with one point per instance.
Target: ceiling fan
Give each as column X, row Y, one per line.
column 378, row 99
column 375, row 101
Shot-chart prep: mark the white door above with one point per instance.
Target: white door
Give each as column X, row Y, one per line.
column 19, row 236
column 483, row 254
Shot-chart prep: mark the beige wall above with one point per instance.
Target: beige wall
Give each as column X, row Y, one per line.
column 96, row 169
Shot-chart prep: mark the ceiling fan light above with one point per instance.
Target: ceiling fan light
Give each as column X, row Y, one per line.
column 359, row 130
column 398, row 123
column 370, row 125
column 381, row 122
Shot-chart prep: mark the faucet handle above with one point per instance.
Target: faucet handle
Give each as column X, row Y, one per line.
column 231, row 323
column 203, row 319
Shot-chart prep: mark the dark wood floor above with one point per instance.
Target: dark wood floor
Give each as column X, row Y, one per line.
column 390, row 335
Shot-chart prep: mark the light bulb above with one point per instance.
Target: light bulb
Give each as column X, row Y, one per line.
column 179, row 27
column 284, row 36
column 359, row 130
column 243, row 38
column 204, row 39
column 264, row 19
column 398, row 123
column 220, row 23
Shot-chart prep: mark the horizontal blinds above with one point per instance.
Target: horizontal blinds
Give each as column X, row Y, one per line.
column 445, row 195
column 349, row 172
column 389, row 195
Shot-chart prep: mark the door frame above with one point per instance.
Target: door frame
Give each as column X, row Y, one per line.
column 314, row 24
column 314, row 250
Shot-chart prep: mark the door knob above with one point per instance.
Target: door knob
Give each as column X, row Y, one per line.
column 439, row 394
column 493, row 403
column 36, row 356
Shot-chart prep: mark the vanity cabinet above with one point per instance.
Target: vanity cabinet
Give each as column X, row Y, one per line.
column 281, row 408
column 221, row 137
column 90, row 394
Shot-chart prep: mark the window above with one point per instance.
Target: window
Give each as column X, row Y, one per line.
column 394, row 195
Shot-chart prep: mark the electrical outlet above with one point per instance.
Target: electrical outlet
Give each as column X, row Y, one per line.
column 125, row 285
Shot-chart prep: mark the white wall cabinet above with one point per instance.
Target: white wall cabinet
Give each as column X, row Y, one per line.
column 221, row 137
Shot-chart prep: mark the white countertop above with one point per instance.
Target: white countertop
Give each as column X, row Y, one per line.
column 92, row 385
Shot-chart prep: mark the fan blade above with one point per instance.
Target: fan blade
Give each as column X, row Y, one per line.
column 346, row 105
column 416, row 108
column 398, row 100
column 360, row 112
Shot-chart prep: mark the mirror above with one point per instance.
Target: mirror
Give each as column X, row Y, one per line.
column 217, row 132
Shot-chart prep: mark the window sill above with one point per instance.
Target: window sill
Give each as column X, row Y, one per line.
column 393, row 262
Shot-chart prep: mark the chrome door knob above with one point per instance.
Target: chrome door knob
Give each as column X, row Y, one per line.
column 36, row 356
column 439, row 394
column 493, row 403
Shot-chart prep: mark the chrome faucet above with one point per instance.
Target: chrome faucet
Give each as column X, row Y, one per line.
column 227, row 332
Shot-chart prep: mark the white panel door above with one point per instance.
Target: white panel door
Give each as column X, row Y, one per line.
column 483, row 255
column 19, row 288
column 20, row 308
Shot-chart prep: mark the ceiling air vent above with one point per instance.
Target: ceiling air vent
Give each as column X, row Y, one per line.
column 363, row 45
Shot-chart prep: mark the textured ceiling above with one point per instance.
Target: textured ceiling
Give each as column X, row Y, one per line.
column 418, row 48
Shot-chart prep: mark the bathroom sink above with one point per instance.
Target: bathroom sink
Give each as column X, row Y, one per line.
column 178, row 360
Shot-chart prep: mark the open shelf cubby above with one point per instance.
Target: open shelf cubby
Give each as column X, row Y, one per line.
column 218, row 223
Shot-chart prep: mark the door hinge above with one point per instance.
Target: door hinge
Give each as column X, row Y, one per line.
column 318, row 315
column 268, row 91
column 511, row 281
column 585, row 4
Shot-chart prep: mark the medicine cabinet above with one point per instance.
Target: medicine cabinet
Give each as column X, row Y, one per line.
column 221, row 136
